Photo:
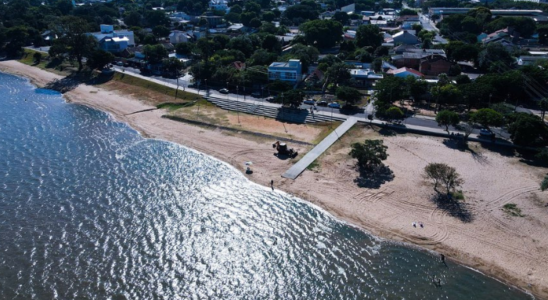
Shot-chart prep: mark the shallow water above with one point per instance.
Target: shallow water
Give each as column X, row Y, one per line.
column 91, row 210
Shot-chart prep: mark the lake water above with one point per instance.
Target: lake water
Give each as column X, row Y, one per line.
column 89, row 209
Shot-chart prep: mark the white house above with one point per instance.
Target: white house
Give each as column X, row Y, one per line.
column 286, row 71
column 177, row 36
column 113, row 40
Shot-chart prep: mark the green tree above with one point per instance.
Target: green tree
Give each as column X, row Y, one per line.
column 99, row 59
column 418, row 88
column 251, row 6
column 341, row 17
column 269, row 16
column 184, row 48
column 338, row 73
column 528, row 130
column 155, row 54
column 160, row 31
column 389, row 89
column 72, row 32
column 157, row 17
column 447, row 118
column 133, row 18
column 458, row 50
column 293, row 97
column 349, row 95
column 242, row 43
column 37, row 56
column 394, row 113
column 368, row 35
column 487, row 117
column 544, row 184
column 255, row 23
column 18, row 37
column 441, row 173
column 262, row 57
column 408, row 12
column 493, row 54
column 236, row 9
column 246, row 18
column 299, row 13
column 369, row 154
column 172, row 66
column 322, row 33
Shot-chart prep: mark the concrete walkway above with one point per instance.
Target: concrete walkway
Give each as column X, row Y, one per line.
column 299, row 167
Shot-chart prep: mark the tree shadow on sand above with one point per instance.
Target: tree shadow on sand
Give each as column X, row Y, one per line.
column 374, row 178
column 453, row 207
column 72, row 81
column 460, row 145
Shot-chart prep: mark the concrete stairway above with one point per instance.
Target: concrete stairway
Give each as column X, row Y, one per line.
column 272, row 111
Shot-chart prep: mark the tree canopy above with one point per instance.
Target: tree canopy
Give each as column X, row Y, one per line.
column 488, row 117
column 349, row 95
column 528, row 130
column 368, row 35
column 444, row 174
column 447, row 118
column 322, row 33
column 369, row 154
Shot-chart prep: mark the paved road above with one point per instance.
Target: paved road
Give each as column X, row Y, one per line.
column 429, row 25
column 422, row 121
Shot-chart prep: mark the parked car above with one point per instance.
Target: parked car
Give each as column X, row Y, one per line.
column 322, row 103
column 486, row 132
column 256, row 94
column 223, row 91
column 309, row 101
column 334, row 105
column 270, row 99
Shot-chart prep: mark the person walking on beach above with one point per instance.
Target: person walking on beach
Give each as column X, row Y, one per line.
column 272, row 184
column 442, row 257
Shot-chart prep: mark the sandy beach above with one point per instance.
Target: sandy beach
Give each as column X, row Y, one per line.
column 482, row 235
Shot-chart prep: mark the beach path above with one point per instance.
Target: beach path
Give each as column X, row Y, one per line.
column 299, row 167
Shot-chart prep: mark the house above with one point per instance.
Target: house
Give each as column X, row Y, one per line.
column 219, row 5
column 235, row 27
column 527, row 60
column 349, row 8
column 349, row 35
column 496, row 36
column 404, row 37
column 177, row 36
column 434, row 65
column 364, row 77
column 286, row 71
column 238, row 65
column 114, row 44
column 113, row 40
column 411, row 58
column 404, row 72
column 49, row 37
column 316, row 76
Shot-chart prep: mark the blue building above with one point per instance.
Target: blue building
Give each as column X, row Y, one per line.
column 286, row 71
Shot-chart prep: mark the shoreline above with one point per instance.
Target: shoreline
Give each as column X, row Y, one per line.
column 151, row 125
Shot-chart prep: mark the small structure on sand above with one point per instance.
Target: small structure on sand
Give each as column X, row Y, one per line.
column 283, row 150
